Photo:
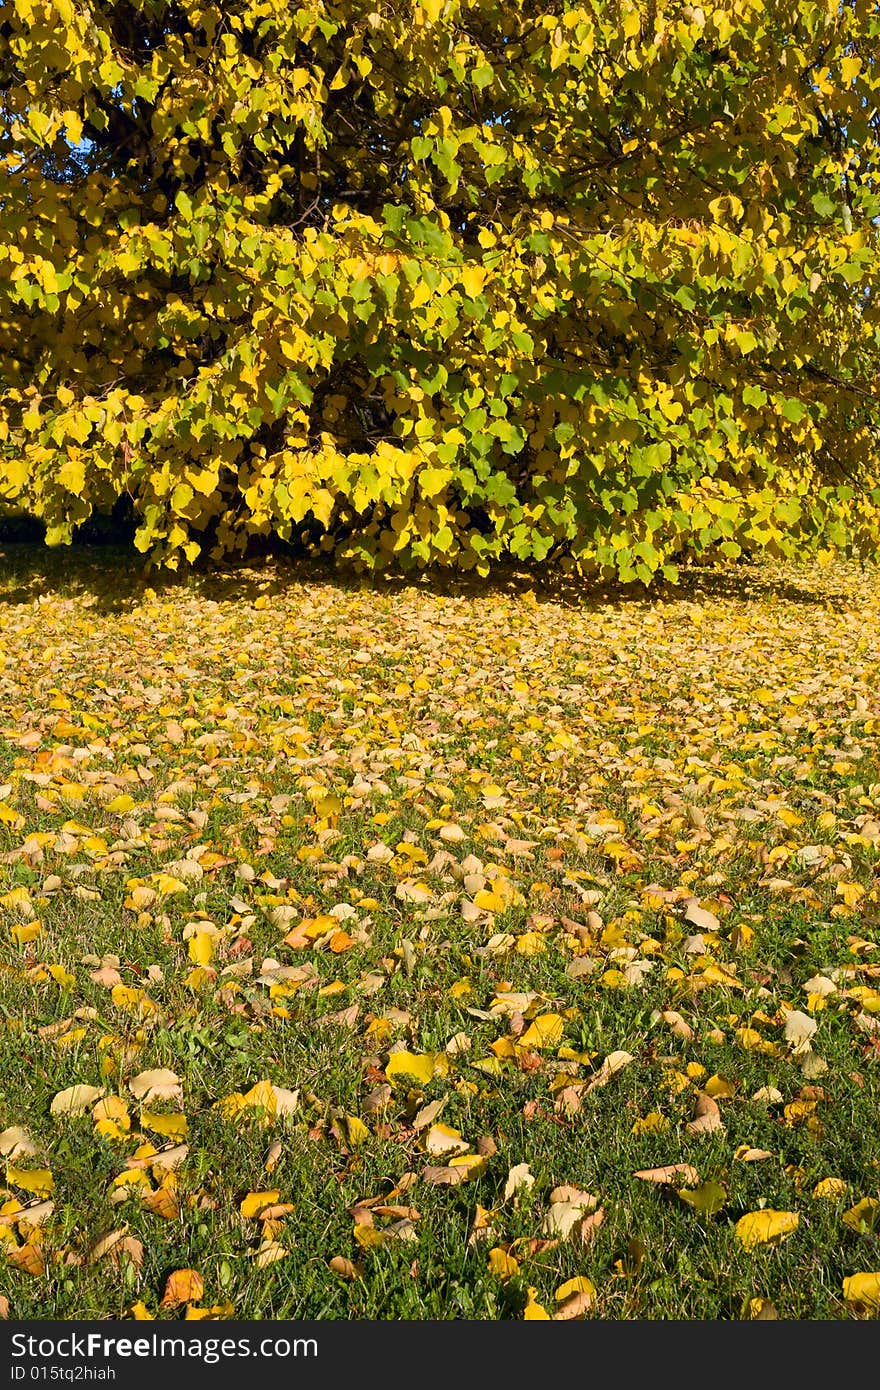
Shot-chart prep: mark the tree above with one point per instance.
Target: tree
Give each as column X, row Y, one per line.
column 444, row 281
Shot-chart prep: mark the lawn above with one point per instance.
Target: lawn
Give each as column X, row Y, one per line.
column 363, row 942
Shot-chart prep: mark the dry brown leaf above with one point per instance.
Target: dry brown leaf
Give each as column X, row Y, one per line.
column 75, row 1100
column 444, row 1177
column 519, row 1178
column 590, row 1225
column 707, row 1116
column 15, row 1142
column 672, row 1172
column 679, row 1027
column 700, row 916
column 36, row 1214
column 157, row 1084
column 183, row 1286
column 613, row 1063
column 269, row 1252
column 577, row 1306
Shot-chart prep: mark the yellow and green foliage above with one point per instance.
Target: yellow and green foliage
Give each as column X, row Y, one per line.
column 443, row 282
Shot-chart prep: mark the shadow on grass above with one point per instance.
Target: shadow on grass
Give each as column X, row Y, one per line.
column 115, row 578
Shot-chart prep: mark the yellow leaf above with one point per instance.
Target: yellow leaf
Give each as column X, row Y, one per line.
column 61, row 976
column 156, row 1084
column 183, row 1286
column 766, row 1227
column 418, row 1066
column 489, row 901
column 631, row 24
column 719, row 1089
column 215, row 1312
column 864, row 1216
column 36, row 1180
column 863, row 1289
column 132, row 1177
column 254, row 1202
column 443, row 1139
column 574, row 1298
column 830, row 1188
column 531, row 943
column 850, row 68
column 29, row 1258
column 167, row 884
column 473, row 278
column 201, row 947
column 370, row 1236
column 22, row 933
column 501, row 1264
column 652, row 1123
column 356, row 1130
column 269, row 1252
column 580, row 1284
column 545, row 1031
column 261, row 1095
column 172, row 1125
column 535, row 1311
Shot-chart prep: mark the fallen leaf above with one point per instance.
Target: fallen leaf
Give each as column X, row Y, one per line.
column 830, row 1188
column 765, row 1227
column 613, row 1063
column 568, row 1208
column 183, row 1286
column 15, row 1142
column 519, row 1178
column 255, row 1202
column 441, row 1140
column 707, row 1117
column 864, row 1216
column 863, row 1289
column 798, row 1031
column 421, row 1067
column 534, row 1311
column 36, row 1180
column 544, row 1031
column 761, row 1310
column 158, row 1084
column 574, row 1299
column 701, row 917
column 684, row 1172
column 269, row 1252
column 212, row 1314
column 502, row 1265
column 427, row 1114
column 75, row 1100
column 706, row 1200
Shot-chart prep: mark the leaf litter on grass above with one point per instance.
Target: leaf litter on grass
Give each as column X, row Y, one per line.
column 289, row 867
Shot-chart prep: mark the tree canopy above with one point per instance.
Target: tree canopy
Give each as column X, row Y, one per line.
column 447, row 281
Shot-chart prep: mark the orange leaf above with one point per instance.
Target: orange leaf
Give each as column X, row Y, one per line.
column 183, row 1286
